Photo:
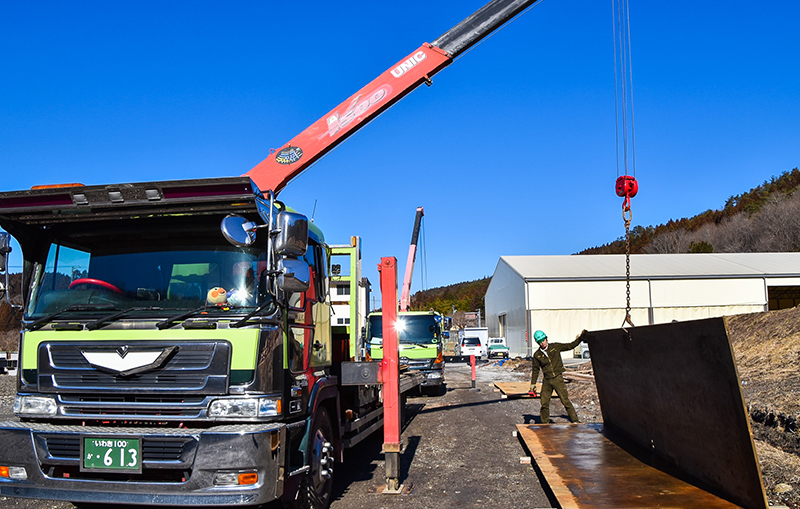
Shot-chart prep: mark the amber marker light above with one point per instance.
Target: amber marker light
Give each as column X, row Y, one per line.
column 248, row 478
column 56, row 186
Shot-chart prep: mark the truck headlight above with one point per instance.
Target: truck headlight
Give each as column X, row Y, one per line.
column 244, row 407
column 35, row 406
column 18, row 473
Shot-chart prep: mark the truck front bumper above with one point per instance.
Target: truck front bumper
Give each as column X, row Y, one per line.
column 432, row 377
column 179, row 466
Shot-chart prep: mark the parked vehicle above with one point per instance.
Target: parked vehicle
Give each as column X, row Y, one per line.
column 482, row 333
column 497, row 348
column 420, row 343
column 471, row 345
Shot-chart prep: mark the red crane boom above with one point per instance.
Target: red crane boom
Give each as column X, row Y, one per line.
column 282, row 165
column 412, row 256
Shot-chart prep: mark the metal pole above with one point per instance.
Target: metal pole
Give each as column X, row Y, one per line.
column 472, row 362
column 390, row 374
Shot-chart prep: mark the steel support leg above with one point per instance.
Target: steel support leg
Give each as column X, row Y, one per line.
column 390, row 373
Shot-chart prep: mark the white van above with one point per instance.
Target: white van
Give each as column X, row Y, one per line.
column 471, row 345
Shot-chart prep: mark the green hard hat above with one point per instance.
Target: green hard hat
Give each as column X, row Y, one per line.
column 539, row 336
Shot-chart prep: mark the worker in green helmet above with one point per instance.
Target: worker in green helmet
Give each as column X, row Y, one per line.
column 547, row 359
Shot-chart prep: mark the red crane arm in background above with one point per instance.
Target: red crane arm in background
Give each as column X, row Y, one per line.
column 282, row 165
column 412, row 256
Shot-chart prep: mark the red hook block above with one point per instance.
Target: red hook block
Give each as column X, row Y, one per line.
column 627, row 187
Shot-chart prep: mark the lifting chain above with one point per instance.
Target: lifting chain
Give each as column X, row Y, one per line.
column 627, row 187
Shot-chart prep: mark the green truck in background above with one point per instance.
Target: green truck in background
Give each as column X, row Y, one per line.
column 420, row 342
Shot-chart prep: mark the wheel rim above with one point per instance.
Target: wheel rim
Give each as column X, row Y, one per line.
column 322, row 461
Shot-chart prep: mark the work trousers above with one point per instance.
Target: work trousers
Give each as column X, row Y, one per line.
column 557, row 384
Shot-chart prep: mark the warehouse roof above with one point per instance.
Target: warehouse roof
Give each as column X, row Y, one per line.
column 655, row 266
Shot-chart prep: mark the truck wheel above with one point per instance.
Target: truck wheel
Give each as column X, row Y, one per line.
column 316, row 488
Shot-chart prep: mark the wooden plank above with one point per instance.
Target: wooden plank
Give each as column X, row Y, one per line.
column 518, row 389
column 579, row 376
column 585, row 469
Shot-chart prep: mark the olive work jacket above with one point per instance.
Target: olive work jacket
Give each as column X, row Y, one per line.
column 551, row 364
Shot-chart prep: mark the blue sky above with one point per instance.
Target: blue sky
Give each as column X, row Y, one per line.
column 510, row 152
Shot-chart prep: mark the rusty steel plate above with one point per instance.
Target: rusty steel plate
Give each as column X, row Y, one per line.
column 586, row 470
column 673, row 389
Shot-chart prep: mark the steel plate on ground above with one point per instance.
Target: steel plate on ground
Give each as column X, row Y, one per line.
column 586, row 470
column 674, row 390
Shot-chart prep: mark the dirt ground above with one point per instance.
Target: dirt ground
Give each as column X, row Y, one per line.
column 767, row 350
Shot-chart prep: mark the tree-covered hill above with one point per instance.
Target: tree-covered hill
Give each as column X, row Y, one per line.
column 460, row 297
column 762, row 219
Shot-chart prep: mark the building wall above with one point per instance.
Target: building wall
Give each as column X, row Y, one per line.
column 562, row 308
column 505, row 297
column 563, row 325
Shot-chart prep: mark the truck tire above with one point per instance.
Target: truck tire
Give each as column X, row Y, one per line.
column 316, row 488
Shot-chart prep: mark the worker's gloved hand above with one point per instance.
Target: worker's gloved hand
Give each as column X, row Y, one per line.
column 582, row 335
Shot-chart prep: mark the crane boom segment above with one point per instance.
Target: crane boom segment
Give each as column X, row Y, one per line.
column 322, row 136
column 405, row 296
column 286, row 163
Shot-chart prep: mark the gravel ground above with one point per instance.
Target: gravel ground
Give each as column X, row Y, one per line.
column 8, row 388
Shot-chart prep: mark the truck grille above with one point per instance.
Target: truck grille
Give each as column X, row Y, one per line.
column 416, row 363
column 197, row 367
column 153, row 450
column 140, row 407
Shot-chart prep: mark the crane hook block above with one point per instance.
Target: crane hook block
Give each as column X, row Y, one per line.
column 627, row 186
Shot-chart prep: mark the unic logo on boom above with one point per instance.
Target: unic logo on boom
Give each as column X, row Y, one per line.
column 357, row 108
column 401, row 69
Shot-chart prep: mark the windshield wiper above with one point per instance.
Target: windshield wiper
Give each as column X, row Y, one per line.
column 37, row 324
column 169, row 322
column 110, row 318
column 254, row 312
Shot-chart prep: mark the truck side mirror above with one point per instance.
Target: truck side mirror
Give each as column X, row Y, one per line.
column 238, row 231
column 5, row 249
column 292, row 239
column 294, row 275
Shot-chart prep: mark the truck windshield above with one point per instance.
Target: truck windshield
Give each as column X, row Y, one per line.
column 417, row 329
column 127, row 275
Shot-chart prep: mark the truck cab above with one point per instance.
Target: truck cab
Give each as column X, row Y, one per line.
column 176, row 348
column 420, row 343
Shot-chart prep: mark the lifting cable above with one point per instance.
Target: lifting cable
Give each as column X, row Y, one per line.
column 626, row 184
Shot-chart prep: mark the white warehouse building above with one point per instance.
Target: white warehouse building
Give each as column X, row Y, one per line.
column 563, row 295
